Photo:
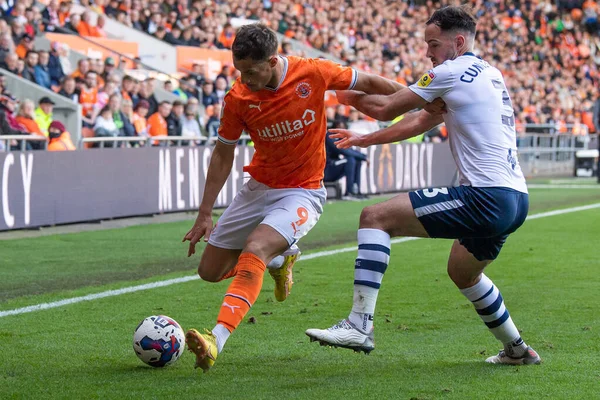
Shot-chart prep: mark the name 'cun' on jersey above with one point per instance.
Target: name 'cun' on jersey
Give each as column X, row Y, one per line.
column 480, row 121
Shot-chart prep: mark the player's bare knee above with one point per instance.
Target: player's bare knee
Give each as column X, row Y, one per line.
column 209, row 274
column 259, row 249
column 370, row 218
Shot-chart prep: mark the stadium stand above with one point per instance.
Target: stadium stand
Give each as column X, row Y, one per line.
column 548, row 52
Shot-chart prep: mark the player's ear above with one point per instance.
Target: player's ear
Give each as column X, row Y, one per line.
column 273, row 61
column 460, row 41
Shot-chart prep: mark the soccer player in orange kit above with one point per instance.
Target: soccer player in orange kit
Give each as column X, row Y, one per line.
column 279, row 102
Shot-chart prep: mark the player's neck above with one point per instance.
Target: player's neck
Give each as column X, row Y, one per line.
column 274, row 82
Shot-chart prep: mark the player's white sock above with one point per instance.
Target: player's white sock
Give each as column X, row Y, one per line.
column 222, row 334
column 277, row 262
column 489, row 304
column 371, row 263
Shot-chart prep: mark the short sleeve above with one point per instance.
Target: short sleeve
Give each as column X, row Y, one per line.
column 231, row 125
column 336, row 76
column 435, row 83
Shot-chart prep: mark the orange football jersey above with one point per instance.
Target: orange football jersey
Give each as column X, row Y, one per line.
column 286, row 124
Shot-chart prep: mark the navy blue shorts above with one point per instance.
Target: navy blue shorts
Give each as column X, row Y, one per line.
column 481, row 218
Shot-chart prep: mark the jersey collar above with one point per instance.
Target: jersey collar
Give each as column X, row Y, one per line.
column 283, row 75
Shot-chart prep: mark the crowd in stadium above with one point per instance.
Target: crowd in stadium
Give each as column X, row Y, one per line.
column 547, row 52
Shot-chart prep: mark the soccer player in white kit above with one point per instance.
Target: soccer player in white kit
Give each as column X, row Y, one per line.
column 490, row 203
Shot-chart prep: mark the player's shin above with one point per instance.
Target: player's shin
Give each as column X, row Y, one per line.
column 489, row 304
column 241, row 295
column 371, row 263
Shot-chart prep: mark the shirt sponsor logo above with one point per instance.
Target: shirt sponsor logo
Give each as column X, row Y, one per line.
column 285, row 130
column 426, row 79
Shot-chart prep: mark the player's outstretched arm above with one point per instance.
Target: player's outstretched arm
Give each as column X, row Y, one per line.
column 382, row 108
column 219, row 169
column 375, row 84
column 412, row 125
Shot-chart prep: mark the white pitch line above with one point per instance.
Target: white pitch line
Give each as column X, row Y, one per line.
column 564, row 211
column 546, row 186
column 169, row 282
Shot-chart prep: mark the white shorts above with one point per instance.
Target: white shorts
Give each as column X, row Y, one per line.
column 291, row 212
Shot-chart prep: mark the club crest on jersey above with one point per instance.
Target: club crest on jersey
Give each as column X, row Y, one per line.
column 426, row 79
column 303, row 90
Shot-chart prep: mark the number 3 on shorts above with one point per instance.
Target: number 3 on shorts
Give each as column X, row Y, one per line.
column 434, row 192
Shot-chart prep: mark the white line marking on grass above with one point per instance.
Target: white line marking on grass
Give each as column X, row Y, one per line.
column 169, row 282
column 545, row 186
column 564, row 211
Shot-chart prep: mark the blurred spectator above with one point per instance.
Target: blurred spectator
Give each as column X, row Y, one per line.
column 157, row 123
column 109, row 67
column 51, row 16
column 42, row 72
column 190, row 127
column 344, row 162
column 9, row 124
column 83, row 67
column 25, row 45
column 105, row 125
column 44, row 114
column 69, row 89
column 6, row 46
column 199, row 74
column 175, row 119
column 88, row 97
column 214, row 121
column 10, row 63
column 179, row 92
column 139, row 118
column 59, row 138
column 208, row 96
column 189, row 87
column 84, row 28
column 74, row 22
column 220, row 88
column 227, row 36
column 26, row 117
column 127, row 89
column 31, row 62
column 127, row 117
column 147, row 93
column 55, row 68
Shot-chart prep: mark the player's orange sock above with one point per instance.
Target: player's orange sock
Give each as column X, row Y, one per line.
column 230, row 274
column 243, row 291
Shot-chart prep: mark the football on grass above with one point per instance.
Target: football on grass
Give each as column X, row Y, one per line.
column 158, row 341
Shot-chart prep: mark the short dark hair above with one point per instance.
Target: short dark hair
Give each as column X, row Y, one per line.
column 255, row 41
column 454, row 18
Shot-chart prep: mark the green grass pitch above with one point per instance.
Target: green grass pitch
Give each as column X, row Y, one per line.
column 430, row 344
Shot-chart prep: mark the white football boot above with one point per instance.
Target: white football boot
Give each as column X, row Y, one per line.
column 529, row 357
column 343, row 334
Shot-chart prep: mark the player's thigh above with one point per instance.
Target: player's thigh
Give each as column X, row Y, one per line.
column 394, row 216
column 266, row 243
column 464, row 268
column 294, row 212
column 216, row 262
column 242, row 216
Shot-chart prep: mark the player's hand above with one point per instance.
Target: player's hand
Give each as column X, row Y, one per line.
column 346, row 138
column 202, row 228
column 347, row 97
column 436, row 107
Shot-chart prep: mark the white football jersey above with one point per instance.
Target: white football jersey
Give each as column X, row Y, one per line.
column 480, row 121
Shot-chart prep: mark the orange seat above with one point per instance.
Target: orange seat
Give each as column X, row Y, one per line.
column 86, row 133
